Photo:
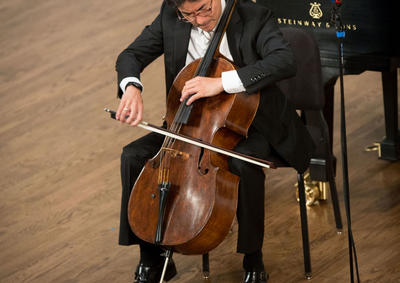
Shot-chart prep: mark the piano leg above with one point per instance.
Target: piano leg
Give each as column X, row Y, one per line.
column 329, row 91
column 390, row 146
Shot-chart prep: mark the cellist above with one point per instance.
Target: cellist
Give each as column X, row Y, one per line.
column 182, row 32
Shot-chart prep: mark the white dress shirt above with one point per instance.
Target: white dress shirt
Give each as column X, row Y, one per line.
column 198, row 44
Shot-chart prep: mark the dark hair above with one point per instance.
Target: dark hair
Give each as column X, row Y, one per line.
column 177, row 3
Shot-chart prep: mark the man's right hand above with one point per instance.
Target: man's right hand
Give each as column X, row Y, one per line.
column 131, row 105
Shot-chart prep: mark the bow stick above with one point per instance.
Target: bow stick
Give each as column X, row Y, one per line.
column 200, row 143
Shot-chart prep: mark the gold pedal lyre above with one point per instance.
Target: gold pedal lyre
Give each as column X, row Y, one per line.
column 315, row 190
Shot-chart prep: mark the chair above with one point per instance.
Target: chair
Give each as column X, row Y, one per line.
column 305, row 91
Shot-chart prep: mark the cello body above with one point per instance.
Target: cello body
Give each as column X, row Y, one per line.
column 202, row 201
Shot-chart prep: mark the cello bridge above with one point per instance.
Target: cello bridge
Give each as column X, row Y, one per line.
column 176, row 153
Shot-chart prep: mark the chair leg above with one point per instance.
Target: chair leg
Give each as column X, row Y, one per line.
column 304, row 227
column 206, row 266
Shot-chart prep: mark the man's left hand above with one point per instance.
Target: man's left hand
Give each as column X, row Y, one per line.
column 201, row 87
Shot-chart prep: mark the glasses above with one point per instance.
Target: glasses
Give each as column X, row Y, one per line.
column 190, row 17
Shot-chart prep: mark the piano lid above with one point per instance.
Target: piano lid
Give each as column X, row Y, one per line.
column 370, row 25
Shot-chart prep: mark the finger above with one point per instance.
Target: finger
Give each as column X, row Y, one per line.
column 186, row 95
column 193, row 82
column 119, row 110
column 193, row 98
column 132, row 114
column 138, row 116
column 125, row 112
column 190, row 83
column 187, row 91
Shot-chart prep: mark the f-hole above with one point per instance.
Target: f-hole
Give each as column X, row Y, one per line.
column 202, row 170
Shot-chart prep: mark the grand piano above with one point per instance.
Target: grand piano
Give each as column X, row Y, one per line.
column 371, row 43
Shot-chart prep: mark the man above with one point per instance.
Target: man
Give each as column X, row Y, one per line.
column 253, row 42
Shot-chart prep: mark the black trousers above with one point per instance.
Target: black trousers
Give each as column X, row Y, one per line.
column 250, row 212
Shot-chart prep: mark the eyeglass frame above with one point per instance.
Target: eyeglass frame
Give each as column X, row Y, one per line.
column 189, row 18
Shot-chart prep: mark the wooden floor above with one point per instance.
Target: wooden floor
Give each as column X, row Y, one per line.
column 59, row 169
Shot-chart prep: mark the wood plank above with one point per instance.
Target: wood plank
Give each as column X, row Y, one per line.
column 59, row 151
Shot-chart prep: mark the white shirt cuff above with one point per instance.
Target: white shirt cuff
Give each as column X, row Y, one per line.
column 231, row 82
column 127, row 80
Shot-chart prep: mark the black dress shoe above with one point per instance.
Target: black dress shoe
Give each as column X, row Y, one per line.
column 152, row 274
column 255, row 277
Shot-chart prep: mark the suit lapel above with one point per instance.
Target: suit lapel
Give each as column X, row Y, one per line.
column 181, row 43
column 233, row 33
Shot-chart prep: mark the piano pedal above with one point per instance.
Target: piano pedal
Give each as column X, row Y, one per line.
column 376, row 146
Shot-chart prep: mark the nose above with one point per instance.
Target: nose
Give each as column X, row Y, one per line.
column 200, row 20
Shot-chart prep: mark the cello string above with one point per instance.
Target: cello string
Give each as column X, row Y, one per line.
column 169, row 142
column 175, row 127
column 165, row 160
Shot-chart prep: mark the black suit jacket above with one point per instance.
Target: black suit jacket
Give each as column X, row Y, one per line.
column 258, row 49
